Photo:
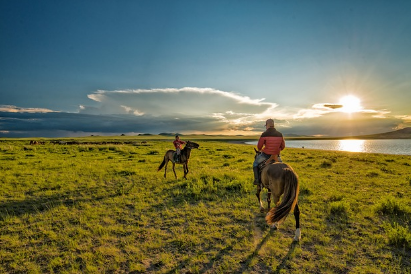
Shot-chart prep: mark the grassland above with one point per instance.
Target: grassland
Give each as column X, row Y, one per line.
column 100, row 206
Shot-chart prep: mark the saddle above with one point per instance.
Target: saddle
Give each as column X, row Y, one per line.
column 269, row 161
column 263, row 164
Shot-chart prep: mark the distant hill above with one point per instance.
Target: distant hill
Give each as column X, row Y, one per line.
column 404, row 133
column 169, row 134
column 296, row 135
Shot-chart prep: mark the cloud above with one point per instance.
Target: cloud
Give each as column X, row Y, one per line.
column 333, row 106
column 8, row 108
column 187, row 101
column 191, row 110
column 228, row 111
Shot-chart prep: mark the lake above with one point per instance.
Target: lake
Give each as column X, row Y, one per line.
column 391, row 146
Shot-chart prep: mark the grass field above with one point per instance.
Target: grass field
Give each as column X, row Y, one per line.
column 99, row 205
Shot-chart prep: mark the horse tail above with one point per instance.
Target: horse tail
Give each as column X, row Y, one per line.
column 162, row 164
column 289, row 200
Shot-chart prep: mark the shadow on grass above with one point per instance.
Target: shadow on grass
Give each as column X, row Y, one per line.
column 287, row 257
column 44, row 203
column 206, row 267
column 254, row 254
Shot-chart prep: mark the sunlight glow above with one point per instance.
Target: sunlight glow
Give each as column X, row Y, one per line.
column 350, row 104
column 351, row 145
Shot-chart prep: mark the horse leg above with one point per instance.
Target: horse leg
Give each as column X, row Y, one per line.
column 258, row 194
column 185, row 169
column 174, row 170
column 165, row 169
column 297, row 223
column 268, row 199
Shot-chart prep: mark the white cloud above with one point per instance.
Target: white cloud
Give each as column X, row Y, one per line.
column 172, row 102
column 219, row 110
column 195, row 110
column 9, row 108
column 405, row 118
column 130, row 110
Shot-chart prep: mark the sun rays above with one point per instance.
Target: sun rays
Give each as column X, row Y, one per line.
column 350, row 104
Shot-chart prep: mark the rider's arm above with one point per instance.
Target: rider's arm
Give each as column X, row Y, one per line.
column 282, row 146
column 260, row 143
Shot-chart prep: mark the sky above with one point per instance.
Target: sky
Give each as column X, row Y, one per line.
column 97, row 67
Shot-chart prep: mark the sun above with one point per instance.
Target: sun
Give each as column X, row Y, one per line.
column 350, row 104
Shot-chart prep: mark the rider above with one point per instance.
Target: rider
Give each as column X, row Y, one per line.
column 177, row 144
column 270, row 144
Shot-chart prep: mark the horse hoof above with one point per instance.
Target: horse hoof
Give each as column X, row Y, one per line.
column 274, row 226
column 297, row 236
column 262, row 209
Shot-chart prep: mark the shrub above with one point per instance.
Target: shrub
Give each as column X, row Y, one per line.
column 305, row 191
column 339, row 208
column 333, row 159
column 326, row 164
column 336, row 198
column 392, row 206
column 372, row 174
column 125, row 173
column 398, row 236
column 385, row 170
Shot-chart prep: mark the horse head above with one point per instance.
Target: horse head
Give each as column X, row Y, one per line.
column 191, row 145
column 256, row 153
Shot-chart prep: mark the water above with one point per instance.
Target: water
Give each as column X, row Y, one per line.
column 391, row 146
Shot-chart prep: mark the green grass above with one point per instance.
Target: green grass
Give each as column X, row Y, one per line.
column 100, row 206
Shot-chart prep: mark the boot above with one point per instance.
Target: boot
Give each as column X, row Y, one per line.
column 256, row 175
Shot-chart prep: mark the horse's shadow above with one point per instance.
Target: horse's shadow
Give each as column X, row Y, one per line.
column 257, row 249
column 287, row 257
column 269, row 234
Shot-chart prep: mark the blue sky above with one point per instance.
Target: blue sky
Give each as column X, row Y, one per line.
column 77, row 68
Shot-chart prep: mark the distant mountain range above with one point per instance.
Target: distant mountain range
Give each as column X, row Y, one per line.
column 404, row 133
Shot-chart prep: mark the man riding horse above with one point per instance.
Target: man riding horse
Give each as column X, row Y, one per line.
column 270, row 144
column 177, row 144
column 184, row 157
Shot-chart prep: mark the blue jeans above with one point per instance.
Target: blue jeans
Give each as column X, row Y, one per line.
column 260, row 158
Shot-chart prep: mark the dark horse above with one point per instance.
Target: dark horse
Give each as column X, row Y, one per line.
column 184, row 156
column 280, row 179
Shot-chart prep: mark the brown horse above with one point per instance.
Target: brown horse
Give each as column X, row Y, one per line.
column 280, row 179
column 184, row 156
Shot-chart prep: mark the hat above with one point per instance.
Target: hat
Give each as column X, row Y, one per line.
column 269, row 122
